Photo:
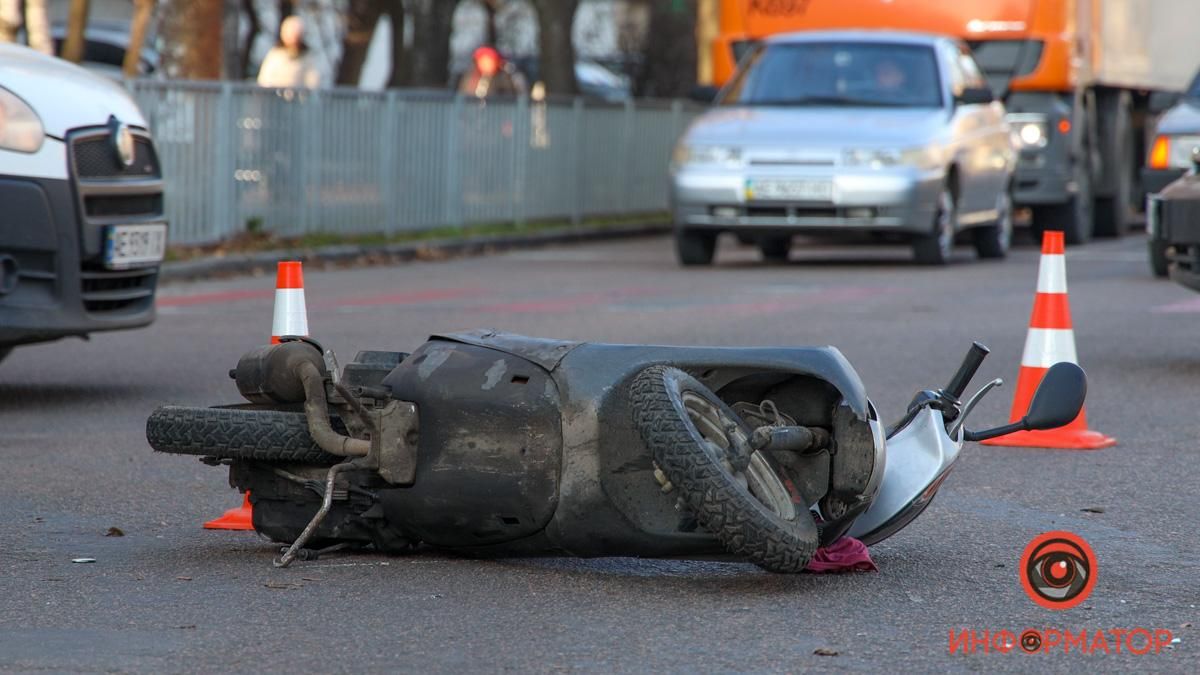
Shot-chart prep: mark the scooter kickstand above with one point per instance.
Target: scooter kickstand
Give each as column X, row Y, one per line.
column 326, row 503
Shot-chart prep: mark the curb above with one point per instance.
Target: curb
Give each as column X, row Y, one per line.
column 433, row 249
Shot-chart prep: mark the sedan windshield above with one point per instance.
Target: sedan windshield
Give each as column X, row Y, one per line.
column 838, row 74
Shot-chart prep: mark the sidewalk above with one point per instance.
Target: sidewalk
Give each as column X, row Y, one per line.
column 429, row 249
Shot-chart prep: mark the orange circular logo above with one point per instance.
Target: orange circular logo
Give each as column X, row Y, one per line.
column 1058, row 570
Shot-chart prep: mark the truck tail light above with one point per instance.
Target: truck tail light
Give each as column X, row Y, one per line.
column 1160, row 153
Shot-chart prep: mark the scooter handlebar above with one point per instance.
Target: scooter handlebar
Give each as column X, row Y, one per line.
column 975, row 355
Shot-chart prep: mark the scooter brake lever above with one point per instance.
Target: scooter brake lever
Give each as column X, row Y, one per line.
column 970, row 405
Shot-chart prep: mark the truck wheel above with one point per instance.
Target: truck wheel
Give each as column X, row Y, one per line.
column 1112, row 212
column 993, row 241
column 1158, row 257
column 775, row 249
column 936, row 247
column 695, row 247
column 737, row 495
column 1073, row 219
column 230, row 433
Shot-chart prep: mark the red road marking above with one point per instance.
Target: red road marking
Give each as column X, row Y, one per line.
column 212, row 298
column 566, row 303
column 409, row 298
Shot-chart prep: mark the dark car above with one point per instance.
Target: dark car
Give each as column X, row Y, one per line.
column 1173, row 223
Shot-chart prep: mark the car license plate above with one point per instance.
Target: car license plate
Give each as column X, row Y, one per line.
column 793, row 190
column 134, row 245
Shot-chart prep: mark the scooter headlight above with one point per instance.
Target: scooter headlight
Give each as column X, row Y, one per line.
column 20, row 127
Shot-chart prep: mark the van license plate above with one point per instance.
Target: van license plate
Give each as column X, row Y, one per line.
column 134, row 245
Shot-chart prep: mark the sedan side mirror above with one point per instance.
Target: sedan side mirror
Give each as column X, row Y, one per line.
column 975, row 95
column 1056, row 403
column 704, row 93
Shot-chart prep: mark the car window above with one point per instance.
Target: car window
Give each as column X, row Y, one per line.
column 972, row 76
column 1193, row 90
column 954, row 68
column 838, row 73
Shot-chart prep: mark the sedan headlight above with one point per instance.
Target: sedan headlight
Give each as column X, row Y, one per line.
column 882, row 158
column 707, row 154
column 1028, row 130
column 20, row 127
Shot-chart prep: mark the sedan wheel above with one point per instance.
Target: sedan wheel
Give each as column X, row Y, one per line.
column 993, row 241
column 935, row 248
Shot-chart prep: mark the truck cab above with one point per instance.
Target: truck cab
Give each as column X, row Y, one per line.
column 82, row 228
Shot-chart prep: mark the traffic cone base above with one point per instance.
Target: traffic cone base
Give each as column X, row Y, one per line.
column 234, row 519
column 1051, row 339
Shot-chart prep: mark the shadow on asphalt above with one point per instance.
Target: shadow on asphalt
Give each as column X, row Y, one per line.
column 34, row 396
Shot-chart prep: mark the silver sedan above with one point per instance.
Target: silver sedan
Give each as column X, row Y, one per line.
column 878, row 132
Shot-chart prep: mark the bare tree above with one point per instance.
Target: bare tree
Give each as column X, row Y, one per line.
column 362, row 16
column 255, row 28
column 143, row 10
column 669, row 57
column 191, row 30
column 556, row 50
column 429, row 58
column 76, row 28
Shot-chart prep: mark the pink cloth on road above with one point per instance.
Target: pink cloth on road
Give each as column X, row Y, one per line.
column 847, row 554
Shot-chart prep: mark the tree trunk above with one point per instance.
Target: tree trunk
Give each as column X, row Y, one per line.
column 669, row 59
column 433, row 20
column 556, row 51
column 76, row 28
column 192, row 31
column 490, row 7
column 230, row 49
column 401, row 72
column 361, row 18
column 142, row 11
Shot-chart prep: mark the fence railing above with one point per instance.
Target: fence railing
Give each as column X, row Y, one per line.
column 238, row 157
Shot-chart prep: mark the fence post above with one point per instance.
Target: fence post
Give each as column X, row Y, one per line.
column 311, row 107
column 576, row 159
column 625, row 171
column 519, row 153
column 451, row 189
column 223, row 185
column 390, row 155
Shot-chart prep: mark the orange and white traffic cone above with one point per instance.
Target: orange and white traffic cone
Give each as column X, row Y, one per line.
column 290, row 318
column 1051, row 339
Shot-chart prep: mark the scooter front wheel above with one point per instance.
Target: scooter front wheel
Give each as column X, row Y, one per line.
column 740, row 496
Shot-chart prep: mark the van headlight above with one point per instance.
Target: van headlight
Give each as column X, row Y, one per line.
column 20, row 127
column 707, row 154
column 882, row 158
column 1029, row 130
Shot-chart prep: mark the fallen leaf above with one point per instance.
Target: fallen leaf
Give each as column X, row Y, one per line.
column 83, row 560
column 183, row 578
column 115, row 532
column 283, row 586
column 187, row 627
column 825, row 651
column 1093, row 509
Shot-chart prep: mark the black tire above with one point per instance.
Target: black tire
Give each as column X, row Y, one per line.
column 993, row 241
column 4, row 352
column 695, row 247
column 1159, row 263
column 775, row 249
column 936, row 247
column 229, row 433
column 726, row 508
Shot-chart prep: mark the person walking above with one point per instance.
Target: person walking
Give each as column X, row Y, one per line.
column 289, row 64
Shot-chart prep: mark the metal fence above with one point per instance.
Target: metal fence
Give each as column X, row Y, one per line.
column 238, row 157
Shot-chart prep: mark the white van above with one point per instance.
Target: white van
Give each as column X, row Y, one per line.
column 82, row 227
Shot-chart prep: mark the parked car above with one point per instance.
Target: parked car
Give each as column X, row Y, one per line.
column 1173, row 222
column 82, row 229
column 1177, row 135
column 867, row 131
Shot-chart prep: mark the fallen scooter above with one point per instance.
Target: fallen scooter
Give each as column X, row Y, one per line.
column 495, row 444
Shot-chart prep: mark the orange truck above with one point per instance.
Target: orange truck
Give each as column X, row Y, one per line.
column 1081, row 79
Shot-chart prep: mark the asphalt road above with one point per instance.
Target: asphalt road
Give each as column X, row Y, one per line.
column 169, row 596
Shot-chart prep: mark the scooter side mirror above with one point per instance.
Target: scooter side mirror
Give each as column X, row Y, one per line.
column 1059, row 397
column 1057, row 402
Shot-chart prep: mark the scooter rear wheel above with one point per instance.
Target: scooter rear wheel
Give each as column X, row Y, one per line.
column 740, row 496
column 230, row 433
